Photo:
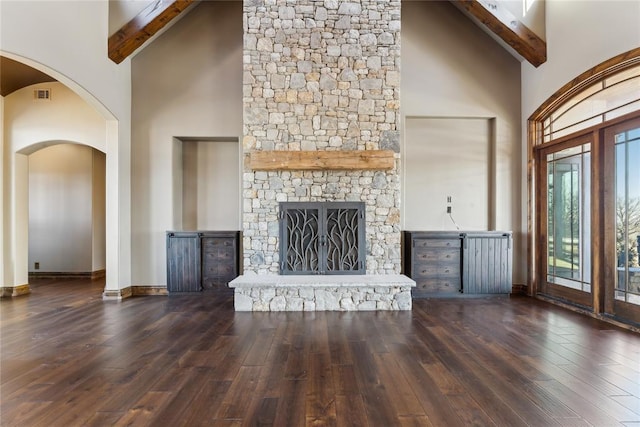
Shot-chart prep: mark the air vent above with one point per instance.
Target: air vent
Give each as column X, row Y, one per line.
column 42, row 94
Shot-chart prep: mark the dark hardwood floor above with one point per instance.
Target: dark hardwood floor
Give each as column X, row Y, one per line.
column 70, row 359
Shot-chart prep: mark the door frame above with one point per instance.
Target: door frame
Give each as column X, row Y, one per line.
column 574, row 296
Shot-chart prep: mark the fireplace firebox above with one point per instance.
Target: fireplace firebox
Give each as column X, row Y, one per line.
column 322, row 238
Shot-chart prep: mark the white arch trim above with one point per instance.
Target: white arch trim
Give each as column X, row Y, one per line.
column 36, row 146
column 71, row 84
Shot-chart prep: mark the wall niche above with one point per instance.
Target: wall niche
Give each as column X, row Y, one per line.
column 209, row 190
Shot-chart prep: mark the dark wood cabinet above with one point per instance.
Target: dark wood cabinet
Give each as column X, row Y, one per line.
column 449, row 263
column 433, row 260
column 201, row 260
column 183, row 262
column 436, row 264
column 487, row 259
column 219, row 259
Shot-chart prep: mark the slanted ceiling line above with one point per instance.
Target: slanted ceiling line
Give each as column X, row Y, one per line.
column 493, row 15
column 143, row 26
column 490, row 13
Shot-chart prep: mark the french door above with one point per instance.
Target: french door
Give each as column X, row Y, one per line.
column 564, row 201
column 588, row 202
column 622, row 218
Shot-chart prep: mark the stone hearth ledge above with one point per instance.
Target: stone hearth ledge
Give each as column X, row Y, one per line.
column 322, row 292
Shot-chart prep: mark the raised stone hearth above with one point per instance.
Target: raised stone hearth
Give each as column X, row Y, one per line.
column 322, row 293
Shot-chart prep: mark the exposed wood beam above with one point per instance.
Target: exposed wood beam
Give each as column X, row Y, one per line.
column 321, row 160
column 502, row 23
column 141, row 28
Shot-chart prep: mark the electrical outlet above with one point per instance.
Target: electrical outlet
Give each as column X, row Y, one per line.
column 448, row 199
column 36, row 265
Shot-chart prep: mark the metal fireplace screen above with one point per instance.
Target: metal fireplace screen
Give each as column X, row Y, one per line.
column 322, row 238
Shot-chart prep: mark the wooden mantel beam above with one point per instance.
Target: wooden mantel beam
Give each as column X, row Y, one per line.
column 502, row 23
column 141, row 28
column 321, row 160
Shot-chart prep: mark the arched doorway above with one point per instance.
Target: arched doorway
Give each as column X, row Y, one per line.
column 15, row 195
column 66, row 212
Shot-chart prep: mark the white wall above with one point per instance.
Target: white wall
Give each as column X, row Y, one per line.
column 66, row 117
column 123, row 11
column 62, row 182
column 67, row 39
column 451, row 68
column 98, row 216
column 448, row 157
column 4, row 266
column 210, row 198
column 218, row 185
column 580, row 35
column 187, row 83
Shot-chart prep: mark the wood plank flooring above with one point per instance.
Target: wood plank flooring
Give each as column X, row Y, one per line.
column 70, row 359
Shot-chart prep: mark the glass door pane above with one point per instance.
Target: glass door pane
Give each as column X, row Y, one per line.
column 569, row 218
column 627, row 215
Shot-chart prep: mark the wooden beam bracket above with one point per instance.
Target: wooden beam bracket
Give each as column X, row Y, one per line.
column 503, row 24
column 143, row 26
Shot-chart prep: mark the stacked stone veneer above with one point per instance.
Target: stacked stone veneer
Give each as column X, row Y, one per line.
column 322, row 293
column 321, row 75
column 326, row 299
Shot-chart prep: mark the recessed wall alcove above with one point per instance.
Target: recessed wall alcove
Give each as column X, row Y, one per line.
column 449, row 161
column 207, row 184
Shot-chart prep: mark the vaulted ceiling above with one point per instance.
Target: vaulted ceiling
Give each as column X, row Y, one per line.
column 488, row 14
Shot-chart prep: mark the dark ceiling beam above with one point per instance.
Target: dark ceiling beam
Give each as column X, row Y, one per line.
column 141, row 28
column 503, row 24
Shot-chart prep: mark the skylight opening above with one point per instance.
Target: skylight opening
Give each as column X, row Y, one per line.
column 526, row 5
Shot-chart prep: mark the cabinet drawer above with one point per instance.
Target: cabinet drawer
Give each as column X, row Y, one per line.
column 449, row 271
column 430, row 255
column 221, row 255
column 436, row 243
column 438, row 285
column 218, row 242
column 218, row 270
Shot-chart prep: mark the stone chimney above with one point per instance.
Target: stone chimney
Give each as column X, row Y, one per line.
column 321, row 75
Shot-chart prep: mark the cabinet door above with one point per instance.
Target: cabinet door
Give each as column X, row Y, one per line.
column 183, row 262
column 487, row 263
column 219, row 260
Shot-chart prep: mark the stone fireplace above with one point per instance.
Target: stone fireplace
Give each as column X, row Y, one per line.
column 321, row 103
column 321, row 75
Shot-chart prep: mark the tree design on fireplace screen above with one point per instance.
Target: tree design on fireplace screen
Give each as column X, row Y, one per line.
column 322, row 238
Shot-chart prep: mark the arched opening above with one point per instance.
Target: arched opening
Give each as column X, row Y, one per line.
column 584, row 192
column 66, row 212
column 19, row 144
